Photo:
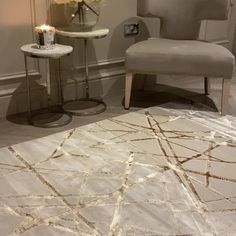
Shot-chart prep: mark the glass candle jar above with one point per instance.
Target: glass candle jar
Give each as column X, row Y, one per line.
column 45, row 36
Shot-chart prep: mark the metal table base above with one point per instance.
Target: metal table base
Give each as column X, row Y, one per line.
column 50, row 119
column 84, row 107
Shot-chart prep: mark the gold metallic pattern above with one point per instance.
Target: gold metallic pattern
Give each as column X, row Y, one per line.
column 137, row 174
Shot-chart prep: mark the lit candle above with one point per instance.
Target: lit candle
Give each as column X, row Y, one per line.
column 45, row 35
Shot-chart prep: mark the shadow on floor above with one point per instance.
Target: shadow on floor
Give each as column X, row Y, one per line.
column 16, row 128
column 167, row 96
column 160, row 95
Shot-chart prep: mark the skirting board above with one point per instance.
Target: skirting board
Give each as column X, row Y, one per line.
column 17, row 103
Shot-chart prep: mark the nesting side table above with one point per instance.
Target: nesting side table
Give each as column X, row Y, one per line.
column 47, row 119
column 87, row 105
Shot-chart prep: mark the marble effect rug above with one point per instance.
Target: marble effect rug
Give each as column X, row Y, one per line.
column 140, row 174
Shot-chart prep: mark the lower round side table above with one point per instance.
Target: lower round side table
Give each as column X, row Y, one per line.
column 50, row 118
column 85, row 106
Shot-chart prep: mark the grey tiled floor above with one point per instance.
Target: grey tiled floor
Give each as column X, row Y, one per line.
column 16, row 130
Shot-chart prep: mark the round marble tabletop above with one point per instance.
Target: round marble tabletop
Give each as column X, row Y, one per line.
column 56, row 52
column 96, row 32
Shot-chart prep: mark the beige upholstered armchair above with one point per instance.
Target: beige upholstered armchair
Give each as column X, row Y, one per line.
column 178, row 51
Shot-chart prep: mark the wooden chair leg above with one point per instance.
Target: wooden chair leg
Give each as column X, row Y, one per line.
column 207, row 85
column 128, row 87
column 225, row 95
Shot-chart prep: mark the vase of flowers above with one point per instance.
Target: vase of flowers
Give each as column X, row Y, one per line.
column 81, row 15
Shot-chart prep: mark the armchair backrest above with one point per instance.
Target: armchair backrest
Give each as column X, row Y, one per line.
column 181, row 19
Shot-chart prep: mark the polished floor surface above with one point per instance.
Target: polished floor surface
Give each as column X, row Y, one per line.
column 15, row 129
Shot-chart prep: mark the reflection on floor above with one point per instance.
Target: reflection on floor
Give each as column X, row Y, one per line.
column 183, row 91
column 156, row 171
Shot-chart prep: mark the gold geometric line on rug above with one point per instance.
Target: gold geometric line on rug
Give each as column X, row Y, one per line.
column 46, row 183
column 208, row 172
column 41, row 196
column 11, row 168
column 57, row 149
column 177, row 165
column 214, row 191
column 202, row 138
column 198, row 155
column 38, row 163
column 127, row 124
column 136, row 140
column 210, row 175
column 207, row 175
column 120, row 198
column 165, row 168
column 94, row 202
column 187, row 148
column 178, row 170
column 154, row 155
column 71, row 154
column 186, row 159
column 98, row 144
column 27, row 216
column 10, row 209
column 222, row 211
column 38, row 169
column 177, row 144
column 35, row 221
column 125, row 141
column 220, row 199
column 206, row 153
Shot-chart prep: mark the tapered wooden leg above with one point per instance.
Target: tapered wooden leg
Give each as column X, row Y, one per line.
column 128, row 87
column 225, row 95
column 207, row 86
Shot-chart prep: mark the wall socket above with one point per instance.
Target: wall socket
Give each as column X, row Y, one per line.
column 131, row 29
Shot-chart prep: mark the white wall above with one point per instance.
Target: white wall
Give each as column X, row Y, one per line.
column 17, row 20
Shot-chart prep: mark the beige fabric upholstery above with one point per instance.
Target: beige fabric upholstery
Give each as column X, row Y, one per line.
column 178, row 51
column 190, row 57
column 181, row 19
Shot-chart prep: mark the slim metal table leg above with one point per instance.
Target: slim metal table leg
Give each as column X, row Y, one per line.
column 85, row 106
column 28, row 89
column 48, row 83
column 86, row 67
column 51, row 118
column 60, row 86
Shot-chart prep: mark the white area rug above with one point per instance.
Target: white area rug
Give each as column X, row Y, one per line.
column 136, row 174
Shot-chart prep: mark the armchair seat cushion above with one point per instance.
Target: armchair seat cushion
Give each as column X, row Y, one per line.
column 187, row 57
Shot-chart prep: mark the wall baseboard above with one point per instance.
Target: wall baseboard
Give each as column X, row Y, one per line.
column 14, row 101
column 17, row 76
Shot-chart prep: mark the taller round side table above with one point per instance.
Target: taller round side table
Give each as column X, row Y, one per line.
column 87, row 105
column 50, row 118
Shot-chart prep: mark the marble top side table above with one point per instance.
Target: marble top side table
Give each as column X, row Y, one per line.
column 88, row 105
column 47, row 119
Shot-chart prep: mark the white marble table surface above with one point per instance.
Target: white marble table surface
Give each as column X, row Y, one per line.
column 56, row 52
column 96, row 32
